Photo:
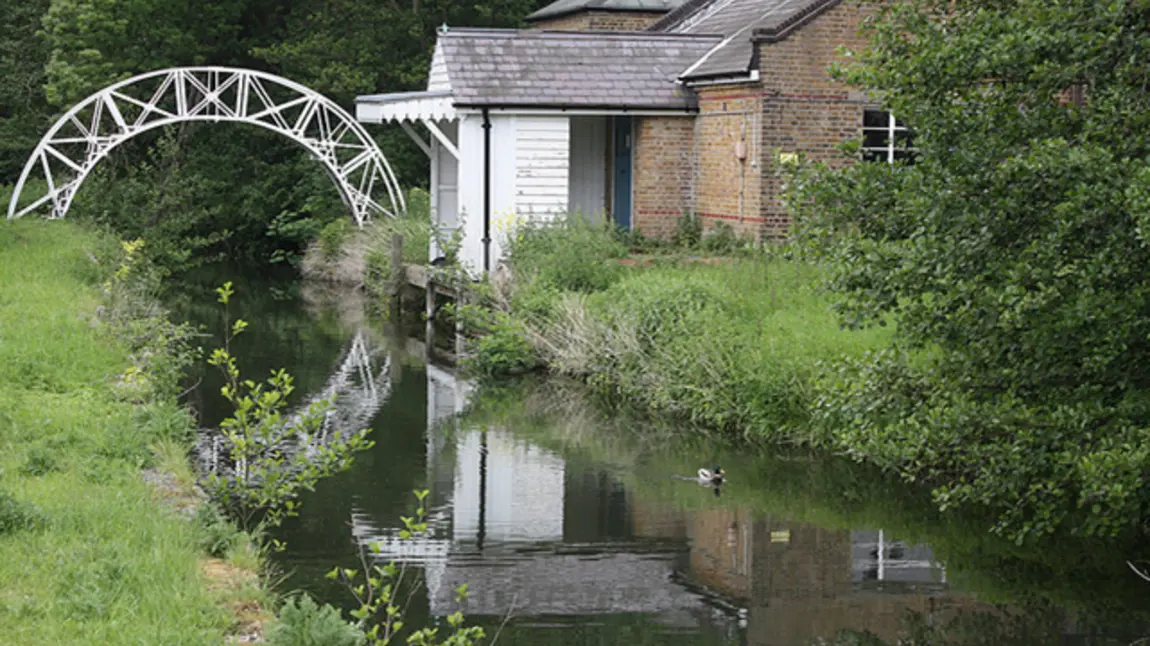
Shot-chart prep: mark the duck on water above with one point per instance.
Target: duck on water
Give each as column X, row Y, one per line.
column 713, row 478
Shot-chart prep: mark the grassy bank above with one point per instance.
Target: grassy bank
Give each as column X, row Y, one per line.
column 730, row 341
column 88, row 555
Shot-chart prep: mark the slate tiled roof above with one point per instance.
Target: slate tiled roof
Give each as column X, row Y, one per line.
column 742, row 23
column 533, row 68
column 567, row 7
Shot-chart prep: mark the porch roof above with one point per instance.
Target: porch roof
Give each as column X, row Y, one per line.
column 567, row 69
column 433, row 105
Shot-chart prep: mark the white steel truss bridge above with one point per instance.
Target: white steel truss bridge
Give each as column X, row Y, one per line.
column 94, row 127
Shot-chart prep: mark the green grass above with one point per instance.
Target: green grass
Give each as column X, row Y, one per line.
column 733, row 345
column 105, row 564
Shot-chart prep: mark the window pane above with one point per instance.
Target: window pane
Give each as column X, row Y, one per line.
column 876, row 119
column 903, row 138
column 874, row 155
column 875, row 138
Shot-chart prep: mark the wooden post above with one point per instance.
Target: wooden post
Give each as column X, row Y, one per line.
column 395, row 351
column 459, row 302
column 430, row 299
column 398, row 275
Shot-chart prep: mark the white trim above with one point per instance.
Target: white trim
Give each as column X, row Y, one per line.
column 407, row 106
column 577, row 112
column 443, row 139
column 749, row 77
column 892, row 128
column 416, row 138
column 721, row 43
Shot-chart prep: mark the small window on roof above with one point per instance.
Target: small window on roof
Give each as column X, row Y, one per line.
column 886, row 139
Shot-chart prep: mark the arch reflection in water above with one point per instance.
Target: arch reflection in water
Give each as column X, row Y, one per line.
column 360, row 385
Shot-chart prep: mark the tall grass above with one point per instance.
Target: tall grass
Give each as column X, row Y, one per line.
column 105, row 564
column 734, row 344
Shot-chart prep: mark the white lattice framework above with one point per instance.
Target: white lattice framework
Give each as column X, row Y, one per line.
column 108, row 118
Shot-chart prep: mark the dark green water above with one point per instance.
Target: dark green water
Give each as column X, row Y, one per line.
column 567, row 526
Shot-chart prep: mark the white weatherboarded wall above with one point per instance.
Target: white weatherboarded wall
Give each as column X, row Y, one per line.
column 588, row 168
column 503, row 159
column 444, row 185
column 542, row 165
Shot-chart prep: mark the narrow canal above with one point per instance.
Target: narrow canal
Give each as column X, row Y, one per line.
column 568, row 527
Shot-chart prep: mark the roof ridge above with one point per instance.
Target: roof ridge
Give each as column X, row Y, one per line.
column 562, row 8
column 562, row 34
column 679, row 14
column 796, row 20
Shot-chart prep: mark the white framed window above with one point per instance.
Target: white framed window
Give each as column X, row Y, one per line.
column 886, row 139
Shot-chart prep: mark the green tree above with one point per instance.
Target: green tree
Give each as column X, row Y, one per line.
column 23, row 107
column 1013, row 259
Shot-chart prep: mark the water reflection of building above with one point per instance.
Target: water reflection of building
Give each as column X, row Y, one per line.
column 526, row 529
column 802, row 582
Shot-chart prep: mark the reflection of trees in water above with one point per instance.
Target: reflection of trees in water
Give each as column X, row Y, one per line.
column 834, row 495
column 1039, row 624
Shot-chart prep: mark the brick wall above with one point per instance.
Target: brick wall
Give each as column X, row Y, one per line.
column 662, row 173
column 600, row 21
column 803, row 109
column 727, row 183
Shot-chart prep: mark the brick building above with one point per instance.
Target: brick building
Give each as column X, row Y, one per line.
column 638, row 111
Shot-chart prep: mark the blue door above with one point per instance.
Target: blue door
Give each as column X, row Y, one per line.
column 621, row 205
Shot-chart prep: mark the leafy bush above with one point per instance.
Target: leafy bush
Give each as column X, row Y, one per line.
column 332, row 237
column 273, row 456
column 217, row 533
column 301, row 622
column 502, row 348
column 688, row 230
column 40, row 460
column 571, row 256
column 16, row 515
column 720, row 239
column 1014, row 250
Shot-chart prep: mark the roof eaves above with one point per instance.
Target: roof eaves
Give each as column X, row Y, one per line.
column 395, row 97
column 563, row 107
column 792, row 24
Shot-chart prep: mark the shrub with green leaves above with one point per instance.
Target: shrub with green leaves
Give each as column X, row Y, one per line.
column 384, row 592
column 1011, row 256
column 274, row 456
column 17, row 515
column 332, row 237
column 302, row 622
column 569, row 255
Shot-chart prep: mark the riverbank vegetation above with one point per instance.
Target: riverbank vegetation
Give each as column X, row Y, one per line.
column 990, row 302
column 751, row 344
column 733, row 342
column 88, row 555
column 1015, row 249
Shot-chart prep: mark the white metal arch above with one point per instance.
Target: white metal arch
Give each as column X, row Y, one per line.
column 95, row 126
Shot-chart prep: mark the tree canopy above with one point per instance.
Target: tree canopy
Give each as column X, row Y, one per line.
column 212, row 189
column 1013, row 257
